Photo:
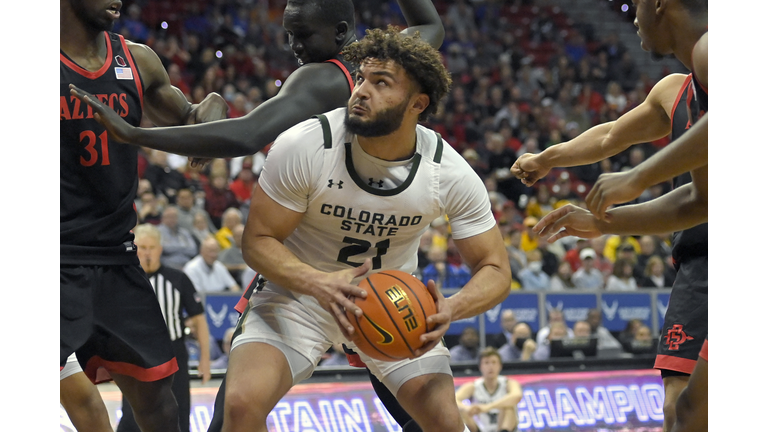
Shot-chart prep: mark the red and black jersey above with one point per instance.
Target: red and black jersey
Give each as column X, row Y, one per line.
column 98, row 177
column 690, row 106
column 345, row 67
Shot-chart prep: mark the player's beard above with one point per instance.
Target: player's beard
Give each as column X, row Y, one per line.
column 384, row 123
column 90, row 19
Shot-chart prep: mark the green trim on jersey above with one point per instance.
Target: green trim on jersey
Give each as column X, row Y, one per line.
column 388, row 192
column 327, row 143
column 439, row 149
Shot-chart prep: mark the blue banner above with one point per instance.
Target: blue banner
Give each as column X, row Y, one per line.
column 574, row 306
column 525, row 307
column 619, row 308
column 662, row 302
column 221, row 314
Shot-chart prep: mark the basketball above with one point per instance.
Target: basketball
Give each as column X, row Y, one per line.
column 394, row 315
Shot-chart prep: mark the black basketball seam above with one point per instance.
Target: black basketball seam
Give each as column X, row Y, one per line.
column 357, row 320
column 390, row 315
column 423, row 311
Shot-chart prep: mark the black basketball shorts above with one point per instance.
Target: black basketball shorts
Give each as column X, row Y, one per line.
column 111, row 318
column 685, row 323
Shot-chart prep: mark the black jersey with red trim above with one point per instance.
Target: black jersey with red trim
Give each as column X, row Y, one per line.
column 98, row 177
column 345, row 67
column 690, row 106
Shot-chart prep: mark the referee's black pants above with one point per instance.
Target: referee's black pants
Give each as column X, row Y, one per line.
column 180, row 389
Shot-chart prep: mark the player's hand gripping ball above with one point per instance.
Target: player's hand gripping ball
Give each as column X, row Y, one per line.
column 394, row 315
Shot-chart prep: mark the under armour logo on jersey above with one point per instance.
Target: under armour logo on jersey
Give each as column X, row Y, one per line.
column 380, row 183
column 332, row 184
column 120, row 62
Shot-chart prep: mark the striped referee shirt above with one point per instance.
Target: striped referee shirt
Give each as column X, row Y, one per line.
column 177, row 297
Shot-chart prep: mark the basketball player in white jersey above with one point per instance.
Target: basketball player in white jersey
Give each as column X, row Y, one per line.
column 493, row 398
column 350, row 193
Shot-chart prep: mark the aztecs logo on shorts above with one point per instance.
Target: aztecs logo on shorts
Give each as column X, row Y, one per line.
column 676, row 337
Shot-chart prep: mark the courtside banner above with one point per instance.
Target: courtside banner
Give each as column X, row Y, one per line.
column 574, row 306
column 525, row 307
column 662, row 302
column 221, row 314
column 619, row 308
column 627, row 401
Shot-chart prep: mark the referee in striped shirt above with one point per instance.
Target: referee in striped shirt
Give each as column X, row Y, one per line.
column 177, row 296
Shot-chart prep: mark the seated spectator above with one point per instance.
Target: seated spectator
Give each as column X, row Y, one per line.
column 467, row 349
column 557, row 331
column 150, row 210
column 588, row 277
column 244, row 182
column 218, row 197
column 165, row 180
column 207, row 272
column 522, row 347
column 231, row 218
column 621, row 279
column 492, row 398
column 200, row 229
column 508, row 321
column 517, row 258
column 628, row 334
column 554, row 316
column 445, row 274
column 605, row 339
column 533, row 277
column 656, row 275
column 226, row 344
column 232, row 258
column 185, row 204
column 563, row 279
column 178, row 244
column 529, row 240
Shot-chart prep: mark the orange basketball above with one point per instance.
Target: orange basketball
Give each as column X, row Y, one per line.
column 394, row 315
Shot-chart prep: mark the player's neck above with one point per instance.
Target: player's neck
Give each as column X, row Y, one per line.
column 490, row 383
column 85, row 46
column 685, row 39
column 399, row 145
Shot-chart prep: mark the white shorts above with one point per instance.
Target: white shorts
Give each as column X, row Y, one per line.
column 72, row 367
column 304, row 331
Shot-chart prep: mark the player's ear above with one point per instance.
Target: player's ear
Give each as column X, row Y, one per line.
column 341, row 31
column 661, row 6
column 420, row 102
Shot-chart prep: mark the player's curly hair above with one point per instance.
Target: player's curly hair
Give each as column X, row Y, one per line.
column 419, row 59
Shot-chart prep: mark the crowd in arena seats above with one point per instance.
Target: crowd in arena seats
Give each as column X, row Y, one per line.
column 526, row 76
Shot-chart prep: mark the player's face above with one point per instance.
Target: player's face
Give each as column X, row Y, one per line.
column 98, row 15
column 149, row 250
column 310, row 40
column 380, row 99
column 647, row 23
column 490, row 366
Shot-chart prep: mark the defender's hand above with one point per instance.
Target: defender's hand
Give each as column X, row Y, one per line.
column 568, row 220
column 610, row 189
column 529, row 169
column 118, row 129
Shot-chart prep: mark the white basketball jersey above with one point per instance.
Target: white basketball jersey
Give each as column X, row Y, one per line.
column 357, row 206
column 489, row 422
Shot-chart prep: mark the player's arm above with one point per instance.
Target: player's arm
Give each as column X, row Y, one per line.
column 312, row 89
column 685, row 154
column 421, row 16
column 464, row 392
column 267, row 226
column 166, row 105
column 510, row 400
column 692, row 404
column 486, row 256
column 647, row 122
column 199, row 325
column 683, row 208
